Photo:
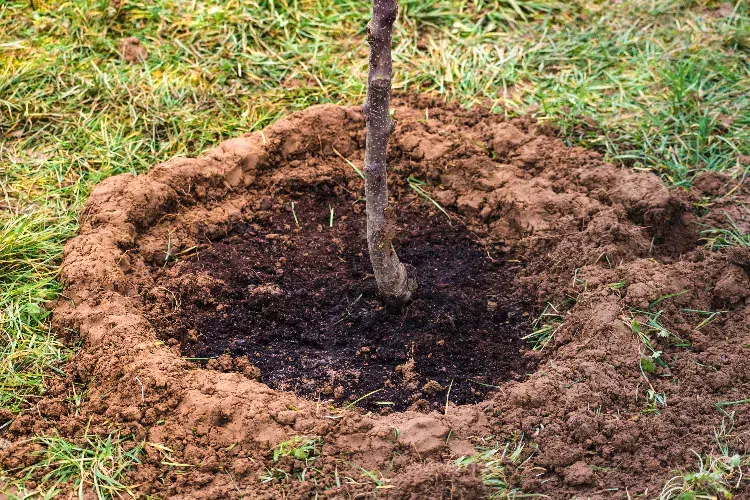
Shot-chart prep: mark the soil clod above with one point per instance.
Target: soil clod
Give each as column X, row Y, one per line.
column 132, row 50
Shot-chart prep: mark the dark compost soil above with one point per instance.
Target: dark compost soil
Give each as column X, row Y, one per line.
column 645, row 331
column 297, row 297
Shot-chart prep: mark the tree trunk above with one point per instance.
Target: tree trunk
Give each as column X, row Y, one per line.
column 394, row 286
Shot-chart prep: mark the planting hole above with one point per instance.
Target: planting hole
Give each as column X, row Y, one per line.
column 291, row 289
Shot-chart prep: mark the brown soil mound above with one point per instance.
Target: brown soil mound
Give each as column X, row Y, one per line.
column 651, row 330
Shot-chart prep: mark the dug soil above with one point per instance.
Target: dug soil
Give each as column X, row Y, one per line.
column 292, row 291
column 224, row 329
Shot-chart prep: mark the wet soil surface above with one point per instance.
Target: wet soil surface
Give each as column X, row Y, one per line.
column 299, row 300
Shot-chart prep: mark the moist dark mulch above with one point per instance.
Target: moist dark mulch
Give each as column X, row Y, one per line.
column 298, row 298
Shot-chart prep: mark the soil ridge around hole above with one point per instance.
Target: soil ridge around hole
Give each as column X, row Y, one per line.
column 608, row 248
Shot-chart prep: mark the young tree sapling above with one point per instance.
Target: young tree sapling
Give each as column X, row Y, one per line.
column 395, row 285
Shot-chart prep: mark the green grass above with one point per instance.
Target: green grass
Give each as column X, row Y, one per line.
column 658, row 86
column 732, row 235
column 716, row 475
column 498, row 463
column 29, row 249
column 94, row 465
column 299, row 448
column 301, row 451
column 545, row 326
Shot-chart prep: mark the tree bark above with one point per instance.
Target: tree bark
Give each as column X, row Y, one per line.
column 394, row 285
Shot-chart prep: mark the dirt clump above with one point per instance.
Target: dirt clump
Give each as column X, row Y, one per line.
column 644, row 329
column 132, row 50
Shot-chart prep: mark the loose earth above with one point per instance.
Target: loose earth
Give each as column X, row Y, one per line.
column 641, row 341
column 293, row 292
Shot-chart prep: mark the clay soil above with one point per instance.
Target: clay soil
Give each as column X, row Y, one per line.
column 214, row 320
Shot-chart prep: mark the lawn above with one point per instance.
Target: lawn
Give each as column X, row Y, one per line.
column 655, row 85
